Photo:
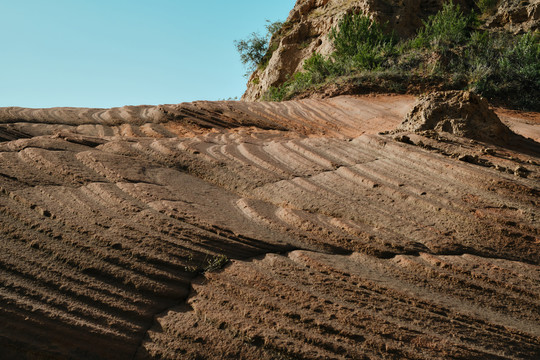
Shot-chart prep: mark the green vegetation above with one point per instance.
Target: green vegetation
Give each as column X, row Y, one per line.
column 256, row 51
column 360, row 42
column 216, row 263
column 212, row 263
column 448, row 52
column 446, row 29
column 486, row 6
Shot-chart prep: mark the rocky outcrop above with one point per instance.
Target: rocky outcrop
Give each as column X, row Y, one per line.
column 306, row 30
column 310, row 21
column 461, row 113
column 516, row 16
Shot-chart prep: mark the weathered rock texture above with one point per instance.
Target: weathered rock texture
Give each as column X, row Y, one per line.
column 309, row 23
column 461, row 113
column 516, row 15
column 345, row 243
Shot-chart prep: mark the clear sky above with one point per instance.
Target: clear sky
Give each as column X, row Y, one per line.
column 105, row 53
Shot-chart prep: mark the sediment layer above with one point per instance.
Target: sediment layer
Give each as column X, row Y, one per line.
column 346, row 241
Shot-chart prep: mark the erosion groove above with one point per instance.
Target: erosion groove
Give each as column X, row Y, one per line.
column 313, row 305
column 346, row 240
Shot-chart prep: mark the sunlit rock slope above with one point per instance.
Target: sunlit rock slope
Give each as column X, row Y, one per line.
column 345, row 239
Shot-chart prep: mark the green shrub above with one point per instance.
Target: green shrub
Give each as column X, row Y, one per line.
column 252, row 51
column 276, row 93
column 520, row 71
column 318, row 68
column 362, row 40
column 522, row 61
column 504, row 67
column 256, row 50
column 449, row 27
column 480, row 62
column 486, row 6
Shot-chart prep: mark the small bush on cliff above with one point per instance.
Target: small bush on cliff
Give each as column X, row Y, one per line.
column 361, row 40
column 448, row 28
column 256, row 50
column 252, row 50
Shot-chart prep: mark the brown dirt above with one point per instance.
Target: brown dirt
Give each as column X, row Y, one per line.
column 521, row 122
column 344, row 243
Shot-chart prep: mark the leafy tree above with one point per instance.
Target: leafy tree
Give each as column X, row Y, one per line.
column 254, row 50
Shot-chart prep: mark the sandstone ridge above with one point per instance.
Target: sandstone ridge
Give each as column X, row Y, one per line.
column 342, row 238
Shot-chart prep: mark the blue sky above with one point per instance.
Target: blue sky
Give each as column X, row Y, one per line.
column 104, row 53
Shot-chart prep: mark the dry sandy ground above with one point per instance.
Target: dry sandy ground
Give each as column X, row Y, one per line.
column 344, row 243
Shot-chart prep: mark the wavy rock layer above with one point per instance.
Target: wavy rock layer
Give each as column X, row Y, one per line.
column 308, row 305
column 345, row 243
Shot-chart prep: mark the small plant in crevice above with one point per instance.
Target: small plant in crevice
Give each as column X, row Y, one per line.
column 217, row 262
column 210, row 263
column 487, row 6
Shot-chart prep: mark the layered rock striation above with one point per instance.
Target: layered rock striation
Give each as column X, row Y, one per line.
column 342, row 242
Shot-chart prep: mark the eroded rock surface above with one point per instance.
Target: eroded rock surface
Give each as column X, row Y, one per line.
column 516, row 15
column 324, row 306
column 461, row 113
column 344, row 242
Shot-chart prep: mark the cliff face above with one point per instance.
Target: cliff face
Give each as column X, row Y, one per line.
column 516, row 16
column 310, row 21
